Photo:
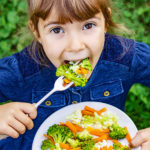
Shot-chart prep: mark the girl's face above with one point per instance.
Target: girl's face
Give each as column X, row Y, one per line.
column 72, row 41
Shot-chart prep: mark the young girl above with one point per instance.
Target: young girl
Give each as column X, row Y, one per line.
column 68, row 30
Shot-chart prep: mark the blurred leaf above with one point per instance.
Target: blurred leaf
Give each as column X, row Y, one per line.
column 12, row 17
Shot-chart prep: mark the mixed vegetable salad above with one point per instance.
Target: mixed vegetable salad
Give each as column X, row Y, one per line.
column 75, row 72
column 87, row 129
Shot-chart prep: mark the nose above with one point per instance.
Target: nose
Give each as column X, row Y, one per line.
column 75, row 43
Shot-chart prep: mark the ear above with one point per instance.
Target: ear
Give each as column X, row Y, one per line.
column 35, row 33
column 109, row 13
column 109, row 10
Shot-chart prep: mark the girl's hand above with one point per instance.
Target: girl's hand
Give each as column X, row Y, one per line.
column 13, row 118
column 142, row 139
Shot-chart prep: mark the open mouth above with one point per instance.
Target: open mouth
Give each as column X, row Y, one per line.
column 71, row 62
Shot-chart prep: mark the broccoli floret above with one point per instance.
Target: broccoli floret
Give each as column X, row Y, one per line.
column 74, row 143
column 117, row 147
column 59, row 133
column 84, row 135
column 88, row 145
column 86, row 64
column 117, row 132
column 57, row 147
column 61, row 70
column 47, row 144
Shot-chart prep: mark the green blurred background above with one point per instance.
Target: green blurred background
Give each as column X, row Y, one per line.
column 135, row 14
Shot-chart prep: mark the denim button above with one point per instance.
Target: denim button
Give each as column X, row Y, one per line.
column 74, row 102
column 48, row 103
column 106, row 93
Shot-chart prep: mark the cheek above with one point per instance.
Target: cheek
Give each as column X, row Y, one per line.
column 97, row 42
column 53, row 50
column 51, row 47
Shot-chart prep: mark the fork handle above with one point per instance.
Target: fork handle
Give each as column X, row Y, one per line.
column 44, row 98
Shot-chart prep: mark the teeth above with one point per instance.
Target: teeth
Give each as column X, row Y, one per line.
column 73, row 61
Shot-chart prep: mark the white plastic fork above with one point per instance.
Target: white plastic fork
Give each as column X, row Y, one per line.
column 58, row 86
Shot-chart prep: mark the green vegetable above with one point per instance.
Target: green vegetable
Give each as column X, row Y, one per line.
column 117, row 132
column 106, row 119
column 88, row 121
column 88, row 145
column 69, row 71
column 47, row 144
column 75, row 117
column 58, row 146
column 84, row 135
column 117, row 147
column 86, row 64
column 59, row 133
column 74, row 143
column 62, row 70
column 69, row 74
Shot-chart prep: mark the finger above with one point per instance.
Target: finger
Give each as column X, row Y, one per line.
column 16, row 125
column 24, row 119
column 138, row 139
column 29, row 109
column 10, row 132
column 145, row 146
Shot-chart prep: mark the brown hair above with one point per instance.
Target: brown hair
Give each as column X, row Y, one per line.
column 67, row 10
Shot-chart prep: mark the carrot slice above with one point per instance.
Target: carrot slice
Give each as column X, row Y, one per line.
column 78, row 148
column 78, row 71
column 105, row 130
column 110, row 148
column 67, row 80
column 64, row 146
column 101, row 110
column 101, row 138
column 61, row 123
column 97, row 132
column 104, row 148
column 117, row 142
column 50, row 138
column 84, row 71
column 78, row 128
column 85, row 112
column 71, row 127
column 128, row 137
column 90, row 109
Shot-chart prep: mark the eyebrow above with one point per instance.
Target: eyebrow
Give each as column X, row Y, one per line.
column 52, row 22
column 57, row 22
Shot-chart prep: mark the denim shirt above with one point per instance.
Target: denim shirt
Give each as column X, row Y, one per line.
column 122, row 63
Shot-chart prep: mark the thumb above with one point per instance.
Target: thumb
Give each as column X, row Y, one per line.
column 29, row 109
column 138, row 140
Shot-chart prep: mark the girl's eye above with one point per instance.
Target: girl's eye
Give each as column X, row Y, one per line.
column 57, row 30
column 88, row 26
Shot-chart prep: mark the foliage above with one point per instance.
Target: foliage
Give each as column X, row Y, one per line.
column 134, row 14
column 136, row 17
column 13, row 22
column 138, row 105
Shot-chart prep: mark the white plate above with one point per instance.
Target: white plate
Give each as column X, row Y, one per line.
column 60, row 116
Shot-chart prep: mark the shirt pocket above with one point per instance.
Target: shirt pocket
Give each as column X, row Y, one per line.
column 55, row 100
column 107, row 91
